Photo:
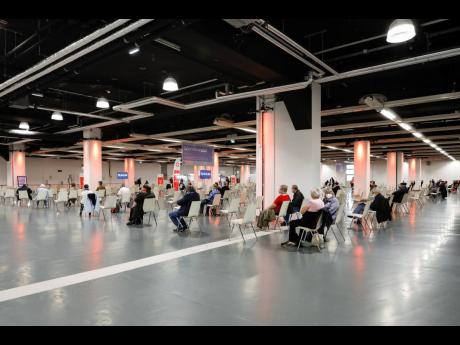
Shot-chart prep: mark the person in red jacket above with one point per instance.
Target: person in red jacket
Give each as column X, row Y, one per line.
column 267, row 215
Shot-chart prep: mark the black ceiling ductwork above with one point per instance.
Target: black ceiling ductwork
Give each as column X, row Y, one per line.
column 298, row 104
column 4, row 152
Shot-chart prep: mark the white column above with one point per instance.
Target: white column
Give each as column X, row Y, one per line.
column 285, row 155
column 362, row 162
column 92, row 158
column 16, row 167
column 415, row 170
column 130, row 168
column 215, row 168
column 399, row 167
column 244, row 173
column 391, row 170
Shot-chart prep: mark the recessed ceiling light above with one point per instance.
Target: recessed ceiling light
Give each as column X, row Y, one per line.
column 57, row 116
column 170, row 140
column 37, row 94
column 170, row 84
column 247, row 129
column 401, row 30
column 102, row 103
column 134, row 50
column 22, row 131
column 24, row 125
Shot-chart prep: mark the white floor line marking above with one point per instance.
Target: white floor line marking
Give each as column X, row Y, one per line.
column 47, row 285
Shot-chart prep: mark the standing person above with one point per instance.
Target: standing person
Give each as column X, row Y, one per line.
column 184, row 203
column 136, row 213
column 100, row 186
column 267, row 215
column 310, row 213
column 443, row 189
column 209, row 199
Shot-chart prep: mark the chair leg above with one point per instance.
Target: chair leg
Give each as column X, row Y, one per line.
column 155, row 218
column 231, row 231
column 338, row 228
column 254, row 230
column 150, row 214
column 241, row 232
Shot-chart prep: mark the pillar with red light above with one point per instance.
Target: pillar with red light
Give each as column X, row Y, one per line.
column 362, row 163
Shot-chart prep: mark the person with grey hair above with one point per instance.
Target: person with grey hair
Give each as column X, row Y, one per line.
column 310, row 214
column 269, row 214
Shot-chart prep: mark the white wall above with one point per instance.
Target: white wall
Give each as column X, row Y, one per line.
column 328, row 170
column 446, row 170
column 379, row 171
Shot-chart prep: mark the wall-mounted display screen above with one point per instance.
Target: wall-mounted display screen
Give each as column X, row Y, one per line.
column 197, row 154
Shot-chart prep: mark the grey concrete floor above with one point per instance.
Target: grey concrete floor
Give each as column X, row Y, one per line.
column 407, row 274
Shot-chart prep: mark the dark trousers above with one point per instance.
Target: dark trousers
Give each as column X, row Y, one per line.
column 308, row 220
column 136, row 215
column 176, row 218
column 204, row 202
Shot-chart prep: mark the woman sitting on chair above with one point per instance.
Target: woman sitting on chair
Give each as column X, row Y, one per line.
column 310, row 213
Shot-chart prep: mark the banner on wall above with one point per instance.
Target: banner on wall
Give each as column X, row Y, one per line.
column 233, row 179
column 193, row 154
column 205, row 174
column 160, row 179
column 122, row 175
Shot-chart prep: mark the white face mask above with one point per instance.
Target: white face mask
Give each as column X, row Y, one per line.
column 328, row 196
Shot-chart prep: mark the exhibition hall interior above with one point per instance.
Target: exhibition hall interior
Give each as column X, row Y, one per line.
column 229, row 172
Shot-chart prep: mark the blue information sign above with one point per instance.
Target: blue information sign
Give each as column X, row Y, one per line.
column 205, row 174
column 122, row 175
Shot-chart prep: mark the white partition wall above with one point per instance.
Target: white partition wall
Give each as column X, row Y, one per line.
column 285, row 155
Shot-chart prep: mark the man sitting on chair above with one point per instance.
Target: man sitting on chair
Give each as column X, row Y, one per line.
column 137, row 212
column 270, row 213
column 44, row 189
column 184, row 203
column 210, row 198
column 310, row 213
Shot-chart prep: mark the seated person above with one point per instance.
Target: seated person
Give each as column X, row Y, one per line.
column 399, row 194
column 381, row 207
column 123, row 190
column 296, row 203
column 184, row 203
column 181, row 185
column 43, row 189
column 267, row 215
column 209, row 199
column 443, row 189
column 136, row 213
column 26, row 188
column 169, row 185
column 100, row 187
column 310, row 213
column 331, row 206
column 224, row 188
column 336, row 188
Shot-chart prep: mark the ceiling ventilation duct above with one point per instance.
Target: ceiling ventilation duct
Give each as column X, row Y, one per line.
column 20, row 103
column 239, row 23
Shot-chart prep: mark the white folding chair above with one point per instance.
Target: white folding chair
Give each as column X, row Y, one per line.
column 193, row 214
column 363, row 216
column 9, row 194
column 41, row 197
column 109, row 203
column 402, row 205
column 248, row 219
column 100, row 194
column 215, row 204
column 63, row 197
column 177, row 196
column 337, row 223
column 232, row 209
column 282, row 213
column 303, row 231
column 149, row 207
column 73, row 194
column 125, row 199
column 23, row 195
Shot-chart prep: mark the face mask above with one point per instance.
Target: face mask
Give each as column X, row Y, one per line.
column 328, row 196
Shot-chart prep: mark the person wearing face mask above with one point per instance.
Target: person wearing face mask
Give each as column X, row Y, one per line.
column 331, row 206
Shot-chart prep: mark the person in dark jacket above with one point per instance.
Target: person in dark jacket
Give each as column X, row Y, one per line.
column 336, row 188
column 224, row 188
column 399, row 194
column 296, row 203
column 381, row 207
column 184, row 203
column 443, row 189
column 27, row 189
column 137, row 212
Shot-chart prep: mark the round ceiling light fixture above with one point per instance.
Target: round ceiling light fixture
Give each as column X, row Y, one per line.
column 57, row 116
column 24, row 125
column 401, row 30
column 170, row 84
column 102, row 103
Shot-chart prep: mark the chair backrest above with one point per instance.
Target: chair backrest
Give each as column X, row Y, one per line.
column 73, row 194
column 259, row 200
column 243, row 197
column 63, row 190
column 100, row 193
column 177, row 195
column 405, row 198
column 53, row 191
column 284, row 208
column 391, row 199
column 249, row 214
column 111, row 201
column 234, row 205
column 318, row 222
column 226, row 194
column 339, row 216
column 9, row 193
column 125, row 197
column 63, row 196
column 41, row 195
column 149, row 205
column 216, row 200
column 23, row 194
column 194, row 210
column 366, row 208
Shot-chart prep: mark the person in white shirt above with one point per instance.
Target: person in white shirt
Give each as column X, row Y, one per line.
column 84, row 195
column 123, row 189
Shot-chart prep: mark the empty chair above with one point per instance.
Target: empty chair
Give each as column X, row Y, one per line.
column 215, row 204
column 9, row 195
column 63, row 197
column 100, row 193
column 226, row 196
column 337, row 223
column 304, row 232
column 232, row 209
column 248, row 219
column 109, row 203
column 149, row 207
column 125, row 199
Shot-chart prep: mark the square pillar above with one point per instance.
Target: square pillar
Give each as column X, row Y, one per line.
column 285, row 155
column 362, row 163
column 415, row 170
column 391, row 170
column 399, row 167
column 130, row 168
column 16, row 167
